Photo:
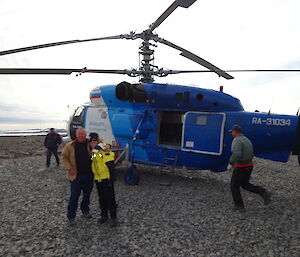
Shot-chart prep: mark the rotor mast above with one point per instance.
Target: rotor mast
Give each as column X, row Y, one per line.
column 147, row 69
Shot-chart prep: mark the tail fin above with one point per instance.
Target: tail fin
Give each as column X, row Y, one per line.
column 296, row 148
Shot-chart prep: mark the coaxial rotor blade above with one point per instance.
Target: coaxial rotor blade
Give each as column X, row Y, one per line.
column 6, row 71
column 23, row 49
column 187, row 71
column 132, row 72
column 171, row 8
column 196, row 58
column 204, row 71
column 270, row 70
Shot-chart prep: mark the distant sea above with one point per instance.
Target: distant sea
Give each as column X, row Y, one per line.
column 30, row 132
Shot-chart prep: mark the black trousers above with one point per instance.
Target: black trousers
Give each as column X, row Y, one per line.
column 106, row 194
column 240, row 178
column 49, row 153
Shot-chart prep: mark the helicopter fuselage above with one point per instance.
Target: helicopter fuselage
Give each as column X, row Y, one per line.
column 166, row 124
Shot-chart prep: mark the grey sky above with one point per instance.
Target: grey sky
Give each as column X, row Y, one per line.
column 258, row 34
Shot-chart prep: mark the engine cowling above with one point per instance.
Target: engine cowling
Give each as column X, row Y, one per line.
column 131, row 92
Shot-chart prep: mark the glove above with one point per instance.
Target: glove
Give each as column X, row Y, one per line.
column 230, row 168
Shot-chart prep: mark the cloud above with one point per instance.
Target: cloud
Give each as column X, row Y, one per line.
column 237, row 35
column 263, row 78
column 18, row 112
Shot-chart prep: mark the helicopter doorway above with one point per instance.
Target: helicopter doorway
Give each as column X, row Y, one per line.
column 170, row 128
column 203, row 132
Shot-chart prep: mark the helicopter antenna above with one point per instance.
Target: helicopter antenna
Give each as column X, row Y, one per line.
column 271, row 104
column 273, row 99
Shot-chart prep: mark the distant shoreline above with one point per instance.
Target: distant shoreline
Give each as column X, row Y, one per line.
column 28, row 134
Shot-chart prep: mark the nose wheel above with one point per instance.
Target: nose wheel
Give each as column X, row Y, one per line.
column 131, row 177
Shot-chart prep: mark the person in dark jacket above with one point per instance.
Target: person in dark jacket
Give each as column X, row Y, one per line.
column 52, row 141
column 241, row 165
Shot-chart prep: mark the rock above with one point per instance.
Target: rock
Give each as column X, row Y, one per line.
column 29, row 248
column 176, row 244
column 135, row 246
column 5, row 155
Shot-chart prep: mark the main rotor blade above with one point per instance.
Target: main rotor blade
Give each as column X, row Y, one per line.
column 204, row 71
column 171, row 8
column 271, row 70
column 6, row 71
column 132, row 72
column 195, row 58
column 23, row 49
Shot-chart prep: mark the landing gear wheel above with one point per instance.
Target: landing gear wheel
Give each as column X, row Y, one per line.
column 131, row 177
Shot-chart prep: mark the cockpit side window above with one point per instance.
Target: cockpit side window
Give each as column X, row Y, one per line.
column 78, row 111
column 78, row 115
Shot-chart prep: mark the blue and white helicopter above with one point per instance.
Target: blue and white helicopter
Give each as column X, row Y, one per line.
column 164, row 124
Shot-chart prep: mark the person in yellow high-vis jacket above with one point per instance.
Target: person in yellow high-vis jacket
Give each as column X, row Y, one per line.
column 104, row 176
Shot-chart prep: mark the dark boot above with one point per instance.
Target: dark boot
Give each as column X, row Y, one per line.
column 71, row 222
column 114, row 222
column 86, row 215
column 103, row 219
column 239, row 208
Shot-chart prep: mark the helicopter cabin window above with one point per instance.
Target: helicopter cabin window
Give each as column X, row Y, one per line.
column 104, row 115
column 76, row 121
column 179, row 97
column 78, row 111
column 186, row 97
column 201, row 120
column 170, row 128
column 78, row 115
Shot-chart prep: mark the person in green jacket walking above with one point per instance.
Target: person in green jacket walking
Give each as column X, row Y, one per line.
column 241, row 165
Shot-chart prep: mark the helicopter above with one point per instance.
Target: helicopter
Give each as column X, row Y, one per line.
column 172, row 125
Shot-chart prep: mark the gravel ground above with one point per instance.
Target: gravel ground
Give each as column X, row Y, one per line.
column 16, row 147
column 192, row 217
column 21, row 146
